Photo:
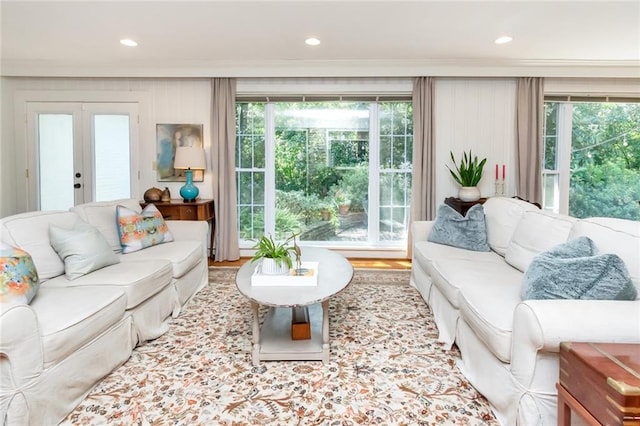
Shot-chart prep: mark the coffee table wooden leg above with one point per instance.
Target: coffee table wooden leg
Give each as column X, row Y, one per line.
column 255, row 347
column 325, row 331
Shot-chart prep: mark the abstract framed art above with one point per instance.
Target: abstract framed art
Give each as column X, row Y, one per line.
column 168, row 138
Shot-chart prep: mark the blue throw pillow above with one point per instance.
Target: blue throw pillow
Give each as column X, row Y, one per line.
column 574, row 270
column 466, row 232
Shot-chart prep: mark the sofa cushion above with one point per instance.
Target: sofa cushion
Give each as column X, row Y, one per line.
column 18, row 276
column 71, row 317
column 502, row 215
column 488, row 306
column 141, row 230
column 574, row 270
column 138, row 280
column 102, row 215
column 453, row 275
column 467, row 232
column 30, row 232
column 616, row 236
column 183, row 255
column 82, row 248
column 536, row 232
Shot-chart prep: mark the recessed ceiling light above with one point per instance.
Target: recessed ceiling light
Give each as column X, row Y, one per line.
column 503, row 40
column 312, row 41
column 128, row 42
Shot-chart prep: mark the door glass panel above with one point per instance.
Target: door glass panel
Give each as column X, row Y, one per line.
column 55, row 150
column 111, row 159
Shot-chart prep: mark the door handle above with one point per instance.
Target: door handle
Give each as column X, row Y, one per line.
column 76, row 185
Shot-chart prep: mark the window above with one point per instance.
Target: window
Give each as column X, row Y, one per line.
column 333, row 172
column 592, row 158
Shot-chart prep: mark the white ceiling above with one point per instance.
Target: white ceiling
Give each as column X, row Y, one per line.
column 262, row 38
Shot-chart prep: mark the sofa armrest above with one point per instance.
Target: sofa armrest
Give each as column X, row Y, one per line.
column 420, row 230
column 21, row 358
column 183, row 230
column 540, row 326
column 188, row 229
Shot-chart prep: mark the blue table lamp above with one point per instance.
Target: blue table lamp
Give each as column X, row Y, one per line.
column 189, row 158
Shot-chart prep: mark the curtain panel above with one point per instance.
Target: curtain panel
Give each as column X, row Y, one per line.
column 223, row 149
column 529, row 137
column 423, row 205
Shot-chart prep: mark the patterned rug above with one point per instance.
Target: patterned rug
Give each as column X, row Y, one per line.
column 385, row 368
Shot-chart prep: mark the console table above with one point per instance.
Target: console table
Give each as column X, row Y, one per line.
column 462, row 206
column 201, row 209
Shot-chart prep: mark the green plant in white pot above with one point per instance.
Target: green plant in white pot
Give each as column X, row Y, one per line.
column 276, row 256
column 468, row 174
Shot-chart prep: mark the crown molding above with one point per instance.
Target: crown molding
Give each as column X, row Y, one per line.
column 331, row 68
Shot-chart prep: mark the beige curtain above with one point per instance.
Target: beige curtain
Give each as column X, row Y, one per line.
column 223, row 148
column 529, row 137
column 423, row 205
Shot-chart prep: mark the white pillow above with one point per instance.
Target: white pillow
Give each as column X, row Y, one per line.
column 537, row 232
column 502, row 216
column 82, row 248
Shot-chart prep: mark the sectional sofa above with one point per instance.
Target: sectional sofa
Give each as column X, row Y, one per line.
column 74, row 332
column 509, row 346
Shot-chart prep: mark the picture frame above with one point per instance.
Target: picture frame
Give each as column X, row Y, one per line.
column 168, row 138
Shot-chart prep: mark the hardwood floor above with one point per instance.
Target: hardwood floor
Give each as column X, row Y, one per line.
column 357, row 263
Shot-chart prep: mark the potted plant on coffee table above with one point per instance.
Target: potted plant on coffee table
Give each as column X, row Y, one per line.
column 276, row 256
column 468, row 175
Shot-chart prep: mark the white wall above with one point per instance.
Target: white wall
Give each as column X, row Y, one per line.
column 161, row 101
column 478, row 115
column 470, row 113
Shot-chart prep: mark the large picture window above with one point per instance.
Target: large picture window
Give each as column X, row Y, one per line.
column 333, row 172
column 592, row 158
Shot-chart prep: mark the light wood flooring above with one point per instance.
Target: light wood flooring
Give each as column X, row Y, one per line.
column 357, row 263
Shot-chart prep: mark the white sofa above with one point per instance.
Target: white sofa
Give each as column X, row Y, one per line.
column 510, row 347
column 74, row 332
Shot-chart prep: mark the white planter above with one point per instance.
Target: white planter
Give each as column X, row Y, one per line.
column 469, row 193
column 270, row 267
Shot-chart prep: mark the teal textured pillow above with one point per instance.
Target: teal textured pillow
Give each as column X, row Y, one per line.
column 82, row 248
column 574, row 270
column 18, row 276
column 467, row 232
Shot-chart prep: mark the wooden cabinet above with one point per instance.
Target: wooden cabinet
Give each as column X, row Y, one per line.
column 460, row 206
column 201, row 209
column 599, row 382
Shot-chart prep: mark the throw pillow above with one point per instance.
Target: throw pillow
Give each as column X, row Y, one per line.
column 574, row 270
column 467, row 232
column 82, row 248
column 18, row 276
column 141, row 230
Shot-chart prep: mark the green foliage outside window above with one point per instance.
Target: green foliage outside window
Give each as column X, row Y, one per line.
column 605, row 160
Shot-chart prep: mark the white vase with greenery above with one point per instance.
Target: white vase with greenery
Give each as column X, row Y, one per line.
column 276, row 257
column 468, row 175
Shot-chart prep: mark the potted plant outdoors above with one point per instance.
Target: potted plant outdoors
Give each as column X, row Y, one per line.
column 468, row 175
column 342, row 201
column 276, row 259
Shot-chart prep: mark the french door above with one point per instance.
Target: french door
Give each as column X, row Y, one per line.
column 80, row 152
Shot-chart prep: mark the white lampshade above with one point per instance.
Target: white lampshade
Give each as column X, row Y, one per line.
column 189, row 157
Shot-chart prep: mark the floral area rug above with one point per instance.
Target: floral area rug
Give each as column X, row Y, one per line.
column 385, row 367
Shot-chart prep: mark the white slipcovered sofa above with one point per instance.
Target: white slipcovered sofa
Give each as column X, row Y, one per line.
column 509, row 346
column 74, row 332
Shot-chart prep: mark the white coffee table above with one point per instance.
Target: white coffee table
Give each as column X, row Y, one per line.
column 273, row 341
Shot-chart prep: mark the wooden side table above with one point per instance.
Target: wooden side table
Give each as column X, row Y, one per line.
column 201, row 209
column 460, row 206
column 600, row 382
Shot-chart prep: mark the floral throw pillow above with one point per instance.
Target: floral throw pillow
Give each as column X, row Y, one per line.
column 141, row 230
column 18, row 276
